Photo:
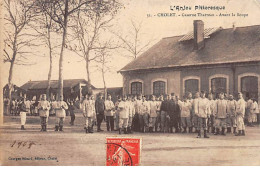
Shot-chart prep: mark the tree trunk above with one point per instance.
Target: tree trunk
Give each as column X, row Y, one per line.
column 104, row 83
column 60, row 86
column 88, row 73
column 49, row 77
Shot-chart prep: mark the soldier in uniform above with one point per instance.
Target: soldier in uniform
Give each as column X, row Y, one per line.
column 231, row 111
column 164, row 111
column 241, row 106
column 221, row 114
column 116, row 115
column 153, row 113
column 201, row 110
column 89, row 113
column 44, row 107
column 123, row 115
column 60, row 108
column 100, row 109
column 185, row 108
column 138, row 105
column 145, row 110
column 131, row 114
column 193, row 116
column 158, row 117
column 23, row 111
column 109, row 112
column 172, row 114
column 212, row 108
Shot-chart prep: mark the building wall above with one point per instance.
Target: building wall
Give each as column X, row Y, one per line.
column 175, row 79
column 171, row 77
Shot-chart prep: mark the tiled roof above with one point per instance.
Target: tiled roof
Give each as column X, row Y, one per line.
column 68, row 83
column 223, row 46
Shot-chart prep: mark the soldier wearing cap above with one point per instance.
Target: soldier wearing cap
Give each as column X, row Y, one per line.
column 60, row 108
column 221, row 114
column 131, row 113
column 193, row 116
column 88, row 107
column 212, row 108
column 100, row 110
column 153, row 113
column 201, row 110
column 116, row 115
column 123, row 108
column 44, row 107
column 138, row 111
column 145, row 112
column 231, row 111
column 164, row 111
column 23, row 111
column 109, row 112
column 185, row 107
column 240, row 110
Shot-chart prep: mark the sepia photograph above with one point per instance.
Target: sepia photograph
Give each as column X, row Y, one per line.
column 130, row 83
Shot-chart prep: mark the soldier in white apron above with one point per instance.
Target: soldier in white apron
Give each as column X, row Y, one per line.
column 60, row 108
column 153, row 113
column 44, row 107
column 89, row 113
column 131, row 114
column 145, row 110
column 23, row 111
column 241, row 107
column 109, row 113
column 201, row 110
column 221, row 114
column 123, row 115
column 185, row 107
column 231, row 111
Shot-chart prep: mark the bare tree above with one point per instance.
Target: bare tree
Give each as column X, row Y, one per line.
column 61, row 11
column 104, row 58
column 18, row 14
column 89, row 28
column 46, row 30
column 133, row 43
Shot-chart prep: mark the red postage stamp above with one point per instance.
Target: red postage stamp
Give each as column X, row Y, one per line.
column 123, row 151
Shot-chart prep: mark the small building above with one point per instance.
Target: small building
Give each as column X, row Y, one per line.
column 213, row 60
column 72, row 88
column 17, row 92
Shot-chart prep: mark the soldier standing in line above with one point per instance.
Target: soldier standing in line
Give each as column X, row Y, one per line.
column 221, row 114
column 164, row 111
column 145, row 109
column 100, row 109
column 23, row 111
column 172, row 114
column 212, row 108
column 153, row 113
column 177, row 112
column 241, row 107
column 131, row 114
column 138, row 105
column 194, row 117
column 158, row 116
column 28, row 106
column 201, row 110
column 60, row 108
column 231, row 111
column 185, row 107
column 123, row 108
column 109, row 112
column 72, row 113
column 89, row 113
column 116, row 115
column 44, row 107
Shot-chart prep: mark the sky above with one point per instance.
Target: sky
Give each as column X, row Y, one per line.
column 153, row 28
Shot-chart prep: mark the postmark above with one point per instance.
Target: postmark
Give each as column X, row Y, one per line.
column 123, row 151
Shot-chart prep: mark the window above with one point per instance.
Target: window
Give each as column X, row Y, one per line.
column 158, row 88
column 136, row 88
column 249, row 87
column 218, row 85
column 191, row 85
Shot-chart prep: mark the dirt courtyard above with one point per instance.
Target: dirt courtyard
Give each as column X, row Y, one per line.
column 75, row 147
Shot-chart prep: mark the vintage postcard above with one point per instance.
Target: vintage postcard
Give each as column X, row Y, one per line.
column 130, row 82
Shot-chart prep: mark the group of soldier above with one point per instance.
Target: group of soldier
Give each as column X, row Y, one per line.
column 198, row 114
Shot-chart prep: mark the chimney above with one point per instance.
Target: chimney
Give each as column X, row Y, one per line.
column 198, row 34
